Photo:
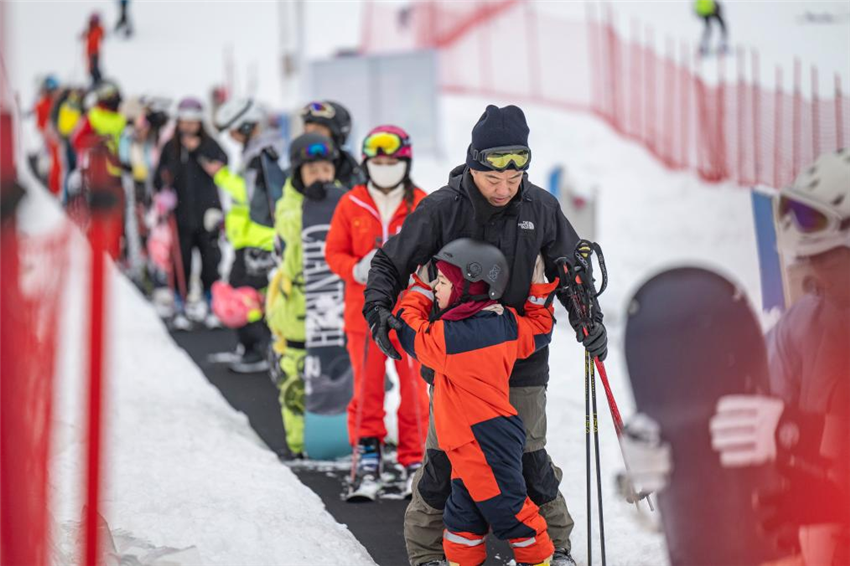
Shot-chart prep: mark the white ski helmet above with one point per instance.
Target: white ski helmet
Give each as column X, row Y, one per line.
column 813, row 215
column 241, row 114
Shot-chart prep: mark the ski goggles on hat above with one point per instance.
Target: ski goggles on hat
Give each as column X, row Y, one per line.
column 810, row 217
column 501, row 158
column 318, row 110
column 383, row 143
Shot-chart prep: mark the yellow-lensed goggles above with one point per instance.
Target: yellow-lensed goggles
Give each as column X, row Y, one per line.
column 382, row 143
column 501, row 158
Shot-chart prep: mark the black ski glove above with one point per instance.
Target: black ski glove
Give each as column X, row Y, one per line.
column 805, row 497
column 380, row 319
column 596, row 341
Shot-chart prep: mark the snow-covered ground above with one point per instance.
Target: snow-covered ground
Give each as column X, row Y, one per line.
column 236, row 503
column 183, row 468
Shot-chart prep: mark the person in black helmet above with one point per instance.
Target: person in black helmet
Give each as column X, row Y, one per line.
column 332, row 120
column 489, row 198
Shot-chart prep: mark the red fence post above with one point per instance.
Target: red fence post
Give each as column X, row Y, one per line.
column 669, row 104
column 533, row 48
column 756, row 104
column 795, row 126
column 721, row 147
column 815, row 114
column 686, row 80
column 650, row 125
column 486, row 59
column 839, row 114
column 777, row 132
column 739, row 63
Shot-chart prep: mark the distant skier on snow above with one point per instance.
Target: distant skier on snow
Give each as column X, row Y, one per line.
column 709, row 11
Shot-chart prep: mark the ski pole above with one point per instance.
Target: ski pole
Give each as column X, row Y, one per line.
column 358, row 419
column 587, row 456
column 178, row 259
column 596, row 450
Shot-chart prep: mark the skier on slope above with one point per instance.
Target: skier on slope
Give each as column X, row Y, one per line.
column 472, row 343
column 332, row 120
column 197, row 200
column 711, row 10
column 803, row 424
column 253, row 243
column 312, row 157
column 364, row 219
column 93, row 38
column 43, row 110
column 489, row 197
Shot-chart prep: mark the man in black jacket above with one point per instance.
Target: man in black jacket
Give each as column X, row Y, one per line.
column 489, row 198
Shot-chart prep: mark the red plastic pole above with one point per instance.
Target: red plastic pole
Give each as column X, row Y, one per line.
column 815, row 114
column 740, row 96
column 636, row 64
column 756, row 118
column 105, row 206
column 795, row 126
column 669, row 103
column 533, row 49
column 687, row 80
column 777, row 133
column 649, row 120
column 839, row 115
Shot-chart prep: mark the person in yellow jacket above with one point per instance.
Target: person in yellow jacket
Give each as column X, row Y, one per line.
column 252, row 242
column 710, row 10
column 312, row 157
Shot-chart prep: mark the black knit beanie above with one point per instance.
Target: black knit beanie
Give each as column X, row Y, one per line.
column 497, row 127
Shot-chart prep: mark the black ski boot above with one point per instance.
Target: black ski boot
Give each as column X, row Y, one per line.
column 367, row 479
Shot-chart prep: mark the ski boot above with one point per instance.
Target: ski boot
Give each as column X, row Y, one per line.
column 410, row 470
column 367, row 479
column 562, row 557
column 252, row 361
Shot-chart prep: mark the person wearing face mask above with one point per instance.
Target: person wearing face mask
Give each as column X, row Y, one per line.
column 180, row 170
column 365, row 219
column 312, row 157
column 244, row 121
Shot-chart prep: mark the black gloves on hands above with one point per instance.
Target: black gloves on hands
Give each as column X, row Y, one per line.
column 380, row 320
column 596, row 341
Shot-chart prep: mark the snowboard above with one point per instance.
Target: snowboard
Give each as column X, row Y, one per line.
column 691, row 338
column 328, row 378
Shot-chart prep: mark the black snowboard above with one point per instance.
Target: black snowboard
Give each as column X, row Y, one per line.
column 691, row 338
column 328, row 379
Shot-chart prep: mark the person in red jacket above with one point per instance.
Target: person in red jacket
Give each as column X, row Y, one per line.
column 364, row 219
column 472, row 342
column 93, row 36
column 43, row 109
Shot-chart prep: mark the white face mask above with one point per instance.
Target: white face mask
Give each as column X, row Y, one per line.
column 386, row 176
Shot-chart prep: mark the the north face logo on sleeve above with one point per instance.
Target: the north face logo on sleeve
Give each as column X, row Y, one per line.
column 526, row 225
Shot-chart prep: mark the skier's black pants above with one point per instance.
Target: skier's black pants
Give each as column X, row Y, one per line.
column 254, row 335
column 706, row 33
column 94, row 68
column 207, row 245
